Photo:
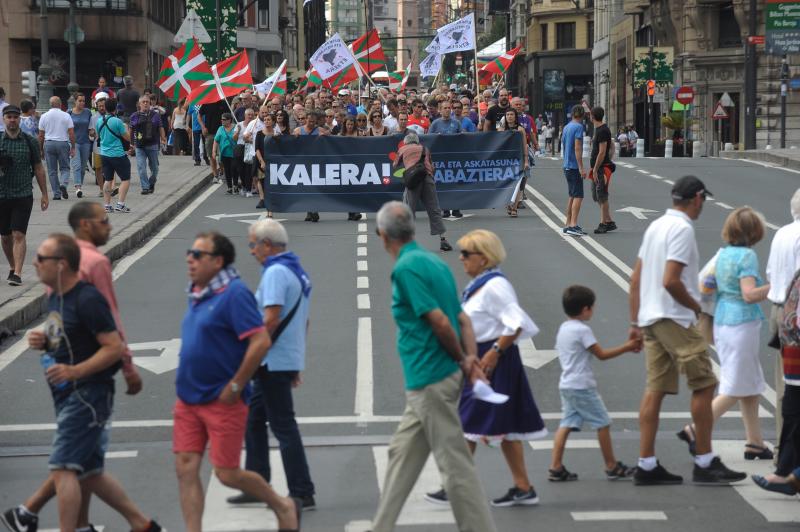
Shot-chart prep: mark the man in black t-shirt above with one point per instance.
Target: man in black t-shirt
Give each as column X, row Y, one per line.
column 127, row 97
column 83, row 352
column 210, row 121
column 496, row 112
column 601, row 169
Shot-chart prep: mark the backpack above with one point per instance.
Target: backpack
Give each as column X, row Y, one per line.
column 416, row 173
column 29, row 142
column 145, row 129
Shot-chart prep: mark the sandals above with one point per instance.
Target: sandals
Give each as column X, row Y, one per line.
column 298, row 510
column 561, row 475
column 757, row 452
column 687, row 434
column 512, row 211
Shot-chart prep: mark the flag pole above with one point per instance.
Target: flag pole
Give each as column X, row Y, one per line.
column 280, row 68
column 475, row 58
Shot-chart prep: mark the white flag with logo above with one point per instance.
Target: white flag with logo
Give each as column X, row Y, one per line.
column 457, row 36
column 429, row 66
column 433, row 47
column 332, row 57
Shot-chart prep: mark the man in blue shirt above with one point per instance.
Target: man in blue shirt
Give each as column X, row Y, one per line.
column 197, row 135
column 446, row 125
column 284, row 296
column 223, row 340
column 572, row 150
column 460, row 113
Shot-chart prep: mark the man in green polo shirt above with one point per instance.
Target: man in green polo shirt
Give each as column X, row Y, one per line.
column 436, row 345
column 19, row 162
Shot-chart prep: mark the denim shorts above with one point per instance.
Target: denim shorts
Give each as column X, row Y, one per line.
column 574, row 183
column 82, row 423
column 583, row 406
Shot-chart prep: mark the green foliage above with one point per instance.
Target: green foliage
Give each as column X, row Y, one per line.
column 674, row 121
column 662, row 70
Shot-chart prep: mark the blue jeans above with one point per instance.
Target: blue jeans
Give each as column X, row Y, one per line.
column 81, row 436
column 56, row 155
column 78, row 162
column 197, row 138
column 147, row 155
column 271, row 402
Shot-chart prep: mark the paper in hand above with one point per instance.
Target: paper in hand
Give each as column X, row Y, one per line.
column 484, row 392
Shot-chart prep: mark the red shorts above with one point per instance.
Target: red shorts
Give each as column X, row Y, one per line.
column 221, row 425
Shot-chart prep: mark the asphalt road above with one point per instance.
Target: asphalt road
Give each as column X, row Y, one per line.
column 353, row 390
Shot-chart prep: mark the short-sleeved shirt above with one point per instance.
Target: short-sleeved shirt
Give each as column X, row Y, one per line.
column 445, row 127
column 18, row 180
column 422, row 282
column 225, row 140
column 214, row 339
column 29, row 125
column 601, row 135
column 467, row 125
column 420, row 125
column 495, row 114
column 212, row 115
column 194, row 112
column 573, row 341
column 734, row 263
column 56, row 125
column 110, row 145
column 669, row 238
column 280, row 286
column 572, row 132
column 81, row 124
column 128, row 98
column 85, row 314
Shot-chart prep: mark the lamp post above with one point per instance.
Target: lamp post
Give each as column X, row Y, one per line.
column 45, row 88
column 72, row 32
column 784, row 89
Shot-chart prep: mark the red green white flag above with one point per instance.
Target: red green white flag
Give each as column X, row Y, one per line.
column 368, row 52
column 275, row 84
column 406, row 76
column 350, row 73
column 230, row 77
column 184, row 70
column 499, row 65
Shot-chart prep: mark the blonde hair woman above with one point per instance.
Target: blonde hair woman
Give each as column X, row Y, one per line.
column 737, row 326
column 499, row 323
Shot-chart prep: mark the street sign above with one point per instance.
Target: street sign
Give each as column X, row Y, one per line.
column 192, row 26
column 719, row 112
column 782, row 26
column 685, row 95
column 756, row 39
column 74, row 35
column 658, row 97
column 726, row 100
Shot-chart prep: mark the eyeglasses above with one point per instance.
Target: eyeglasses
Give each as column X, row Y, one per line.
column 361, row 120
column 42, row 258
column 252, row 245
column 197, row 253
column 466, row 254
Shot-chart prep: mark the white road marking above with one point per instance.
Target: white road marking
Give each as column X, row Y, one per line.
column 637, row 212
column 219, row 516
column 122, row 454
column 362, row 282
column 361, row 266
column 723, row 205
column 416, row 511
column 364, row 372
column 237, row 215
column 772, row 226
column 535, row 358
column 654, row 176
column 362, row 228
column 645, row 172
column 10, row 355
column 670, row 181
column 767, row 165
column 361, row 239
column 619, row 515
column 361, row 251
column 546, row 445
column 167, row 359
column 363, row 302
column 125, row 263
column 358, row 526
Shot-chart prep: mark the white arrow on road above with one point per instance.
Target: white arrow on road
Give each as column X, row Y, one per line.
column 166, row 361
column 638, row 212
column 535, row 358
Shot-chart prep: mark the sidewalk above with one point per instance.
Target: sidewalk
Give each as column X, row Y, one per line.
column 787, row 158
column 179, row 181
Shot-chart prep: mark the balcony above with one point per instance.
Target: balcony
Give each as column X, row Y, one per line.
column 115, row 5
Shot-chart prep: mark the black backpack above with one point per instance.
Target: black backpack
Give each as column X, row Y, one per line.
column 145, row 129
column 416, row 173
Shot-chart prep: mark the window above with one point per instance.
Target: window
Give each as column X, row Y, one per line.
column 729, row 34
column 544, row 36
column 643, row 36
column 263, row 14
column 565, row 35
column 589, row 34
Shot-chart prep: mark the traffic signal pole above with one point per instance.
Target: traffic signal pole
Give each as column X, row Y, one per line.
column 650, row 119
column 45, row 88
column 750, row 80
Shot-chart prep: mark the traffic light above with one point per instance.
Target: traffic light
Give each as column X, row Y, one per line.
column 29, row 83
column 651, row 87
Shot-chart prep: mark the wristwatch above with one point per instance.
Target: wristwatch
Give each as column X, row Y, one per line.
column 235, row 387
column 496, row 347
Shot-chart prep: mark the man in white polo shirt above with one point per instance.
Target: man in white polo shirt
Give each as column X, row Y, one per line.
column 57, row 140
column 664, row 305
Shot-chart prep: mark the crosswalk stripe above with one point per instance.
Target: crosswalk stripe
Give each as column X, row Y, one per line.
column 619, row 516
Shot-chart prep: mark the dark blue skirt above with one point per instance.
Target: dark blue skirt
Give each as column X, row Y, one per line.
column 518, row 418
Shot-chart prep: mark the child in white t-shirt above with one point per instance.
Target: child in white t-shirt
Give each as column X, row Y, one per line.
column 580, row 401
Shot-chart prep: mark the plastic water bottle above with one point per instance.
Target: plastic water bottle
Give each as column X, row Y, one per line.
column 48, row 360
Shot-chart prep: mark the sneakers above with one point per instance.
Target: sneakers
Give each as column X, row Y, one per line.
column 517, row 497
column 154, row 527
column 229, row 192
column 716, row 474
column 437, row 497
column 121, row 207
column 109, row 209
column 620, row 472
column 152, row 182
column 243, row 498
column 445, row 214
column 573, row 231
column 444, row 245
column 260, row 204
column 14, row 279
column 16, row 521
column 604, row 228
column 561, row 475
column 63, row 190
column 146, row 191
column 79, row 193
column 658, row 476
column 308, row 502
column 457, row 214
column 579, row 229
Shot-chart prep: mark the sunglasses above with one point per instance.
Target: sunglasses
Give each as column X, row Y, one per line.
column 466, row 254
column 42, row 258
column 196, row 254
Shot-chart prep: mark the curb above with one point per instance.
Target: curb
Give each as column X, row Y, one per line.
column 778, row 160
column 33, row 302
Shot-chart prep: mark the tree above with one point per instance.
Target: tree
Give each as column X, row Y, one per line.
column 496, row 32
column 662, row 70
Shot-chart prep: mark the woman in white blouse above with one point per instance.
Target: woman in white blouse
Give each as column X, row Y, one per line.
column 499, row 323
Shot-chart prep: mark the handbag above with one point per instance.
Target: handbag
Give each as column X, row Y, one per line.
column 707, row 283
column 415, row 174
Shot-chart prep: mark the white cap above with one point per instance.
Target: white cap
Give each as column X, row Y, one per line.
column 453, row 87
column 100, row 96
column 344, row 92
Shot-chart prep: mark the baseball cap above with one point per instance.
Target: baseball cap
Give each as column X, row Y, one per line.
column 100, row 96
column 453, row 86
column 344, row 92
column 688, row 187
column 9, row 109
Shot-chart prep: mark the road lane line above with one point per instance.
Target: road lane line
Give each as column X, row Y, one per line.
column 361, row 265
column 12, row 353
column 723, row 205
column 772, row 226
column 122, row 454
column 361, row 239
column 364, row 371
column 766, row 165
column 362, row 282
column 363, row 302
column 645, row 172
column 362, row 228
column 670, row 181
column 654, row 176
column 361, row 251
column 619, row 516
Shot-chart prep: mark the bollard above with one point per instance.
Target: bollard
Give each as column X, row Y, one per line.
column 668, row 149
column 728, row 146
column 587, row 146
column 542, row 142
column 768, row 147
column 698, row 149
column 639, row 148
column 616, row 149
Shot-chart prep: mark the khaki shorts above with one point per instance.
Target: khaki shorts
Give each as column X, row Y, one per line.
column 208, row 144
column 669, row 349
